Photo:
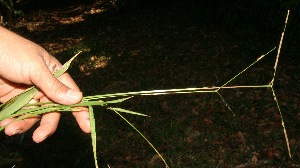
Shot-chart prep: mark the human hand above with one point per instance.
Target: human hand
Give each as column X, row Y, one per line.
column 25, row 63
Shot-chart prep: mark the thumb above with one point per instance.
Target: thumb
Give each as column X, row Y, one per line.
column 56, row 90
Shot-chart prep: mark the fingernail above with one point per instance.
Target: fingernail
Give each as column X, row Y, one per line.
column 73, row 94
column 17, row 131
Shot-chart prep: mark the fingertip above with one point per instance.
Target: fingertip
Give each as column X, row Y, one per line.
column 72, row 96
column 12, row 132
column 86, row 128
column 39, row 136
column 5, row 122
column 63, row 92
column 83, row 120
column 42, row 133
column 14, row 127
column 48, row 126
column 85, row 125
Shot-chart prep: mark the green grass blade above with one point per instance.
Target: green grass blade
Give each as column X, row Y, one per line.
column 279, row 47
column 272, row 83
column 87, row 102
column 90, row 103
column 283, row 125
column 17, row 102
column 142, row 136
column 93, row 134
column 153, row 92
column 26, row 113
column 127, row 111
column 118, row 100
column 258, row 59
column 65, row 67
column 227, row 105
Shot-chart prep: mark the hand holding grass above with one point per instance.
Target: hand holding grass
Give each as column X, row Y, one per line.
column 25, row 63
column 101, row 100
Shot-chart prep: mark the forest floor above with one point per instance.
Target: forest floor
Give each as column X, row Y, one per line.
column 165, row 47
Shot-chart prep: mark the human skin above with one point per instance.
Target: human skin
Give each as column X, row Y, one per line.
column 23, row 64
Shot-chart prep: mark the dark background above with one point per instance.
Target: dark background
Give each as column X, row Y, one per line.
column 163, row 44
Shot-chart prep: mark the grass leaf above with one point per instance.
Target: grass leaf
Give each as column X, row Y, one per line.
column 93, row 134
column 142, row 136
column 126, row 111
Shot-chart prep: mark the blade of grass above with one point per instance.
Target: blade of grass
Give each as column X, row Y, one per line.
column 279, row 47
column 272, row 84
column 283, row 125
column 168, row 91
column 258, row 59
column 17, row 102
column 127, row 111
column 50, row 106
column 142, row 136
column 227, row 105
column 93, row 134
